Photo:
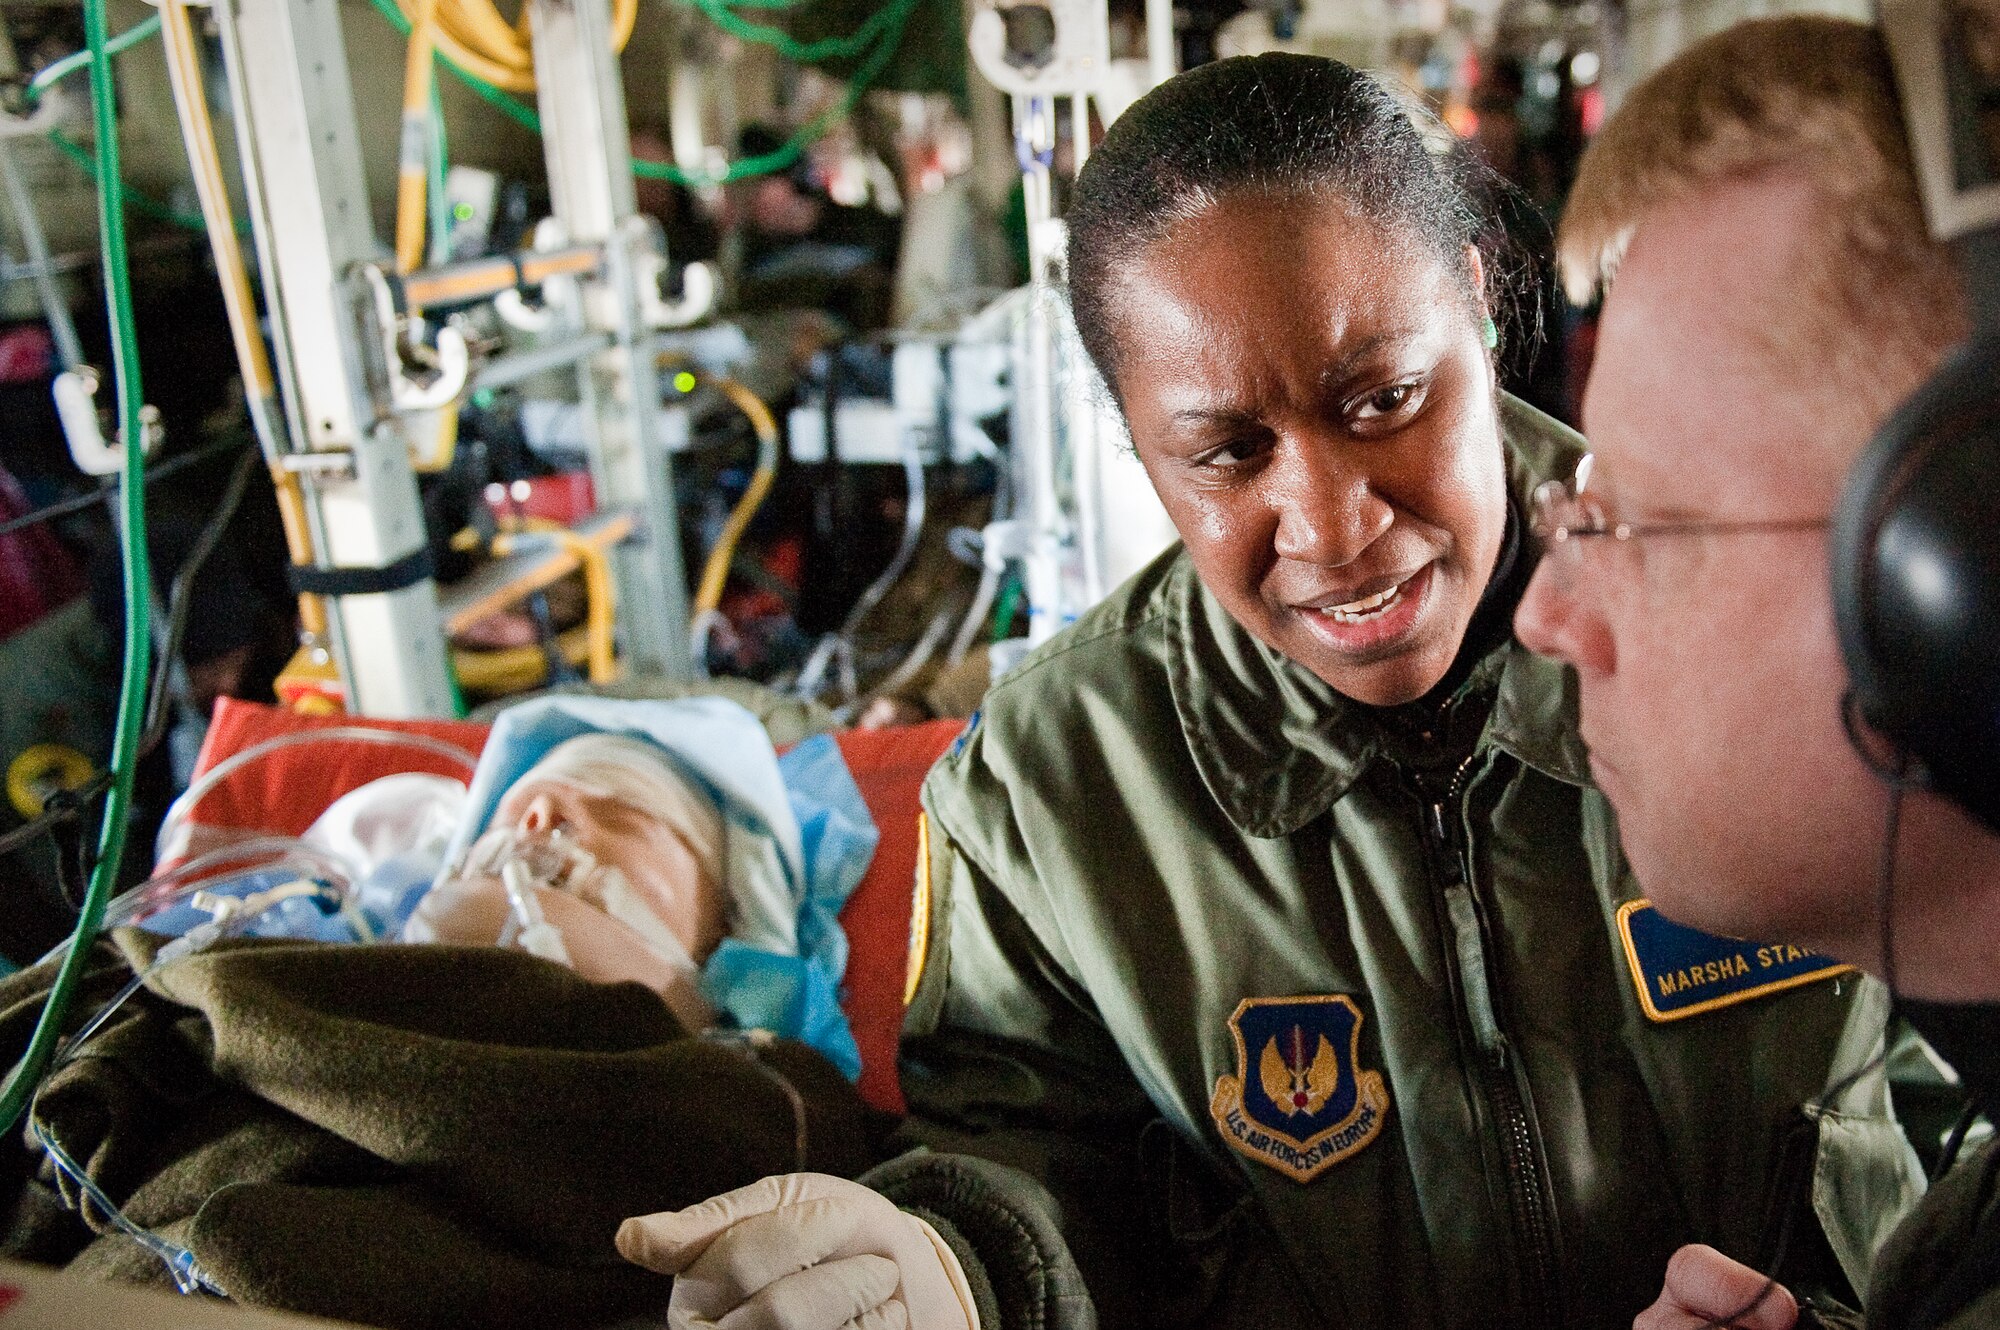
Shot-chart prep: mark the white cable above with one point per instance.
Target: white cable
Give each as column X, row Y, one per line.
column 975, row 618
column 69, row 350
column 913, row 530
column 919, row 656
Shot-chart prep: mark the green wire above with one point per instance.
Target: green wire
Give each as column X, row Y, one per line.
column 70, row 148
column 886, row 23
column 69, row 64
column 809, row 53
column 440, row 170
column 782, row 157
column 140, row 202
column 26, row 1077
column 1003, row 613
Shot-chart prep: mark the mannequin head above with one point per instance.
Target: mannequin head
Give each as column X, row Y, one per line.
column 614, row 849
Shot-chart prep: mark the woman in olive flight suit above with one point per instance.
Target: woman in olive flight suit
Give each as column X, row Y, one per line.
column 1274, row 961
column 1290, row 850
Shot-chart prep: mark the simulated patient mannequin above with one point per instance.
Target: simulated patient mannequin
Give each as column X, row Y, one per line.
column 602, row 856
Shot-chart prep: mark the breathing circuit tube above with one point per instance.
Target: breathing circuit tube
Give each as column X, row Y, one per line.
column 27, row 1074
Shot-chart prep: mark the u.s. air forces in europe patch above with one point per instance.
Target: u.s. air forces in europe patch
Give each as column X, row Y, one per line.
column 1299, row 1101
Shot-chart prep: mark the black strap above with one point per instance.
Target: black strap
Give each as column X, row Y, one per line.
column 407, row 571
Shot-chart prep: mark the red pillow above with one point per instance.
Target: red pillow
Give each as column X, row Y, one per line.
column 285, row 791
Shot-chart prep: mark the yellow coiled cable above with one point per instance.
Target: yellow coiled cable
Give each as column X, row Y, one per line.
column 478, row 39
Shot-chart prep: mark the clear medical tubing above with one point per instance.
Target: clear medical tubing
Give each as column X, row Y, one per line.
column 184, row 806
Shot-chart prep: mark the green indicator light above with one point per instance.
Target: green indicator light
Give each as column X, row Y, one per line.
column 482, row 398
column 684, row 381
column 462, row 212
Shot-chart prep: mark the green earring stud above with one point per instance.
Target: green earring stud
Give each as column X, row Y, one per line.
column 1489, row 332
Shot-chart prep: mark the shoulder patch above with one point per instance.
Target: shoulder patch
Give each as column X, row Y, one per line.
column 1308, row 1105
column 964, row 736
column 1681, row 972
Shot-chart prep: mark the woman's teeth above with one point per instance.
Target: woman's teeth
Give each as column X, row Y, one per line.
column 1357, row 610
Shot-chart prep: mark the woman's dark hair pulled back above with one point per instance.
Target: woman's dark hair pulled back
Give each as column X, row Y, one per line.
column 1277, row 124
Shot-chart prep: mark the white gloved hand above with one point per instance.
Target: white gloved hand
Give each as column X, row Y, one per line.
column 801, row 1251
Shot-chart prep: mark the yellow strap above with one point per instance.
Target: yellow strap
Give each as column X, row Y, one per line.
column 920, row 913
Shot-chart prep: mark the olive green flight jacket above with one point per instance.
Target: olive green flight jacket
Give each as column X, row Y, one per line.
column 1158, row 818
column 1940, row 1269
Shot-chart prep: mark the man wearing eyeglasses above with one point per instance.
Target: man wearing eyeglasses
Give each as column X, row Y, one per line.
column 1772, row 295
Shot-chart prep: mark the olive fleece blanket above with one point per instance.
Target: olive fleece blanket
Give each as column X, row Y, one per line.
column 402, row 1136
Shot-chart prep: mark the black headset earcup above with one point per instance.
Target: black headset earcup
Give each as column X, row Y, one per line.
column 1916, row 579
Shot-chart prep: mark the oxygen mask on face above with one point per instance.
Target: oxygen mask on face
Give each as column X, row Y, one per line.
column 551, row 858
column 526, row 867
column 548, row 857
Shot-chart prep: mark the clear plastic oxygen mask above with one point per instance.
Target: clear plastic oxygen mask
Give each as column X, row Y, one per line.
column 550, row 857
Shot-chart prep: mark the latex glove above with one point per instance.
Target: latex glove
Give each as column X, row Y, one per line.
column 1703, row 1286
column 801, row 1251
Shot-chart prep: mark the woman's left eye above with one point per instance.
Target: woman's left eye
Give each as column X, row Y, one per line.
column 1384, row 401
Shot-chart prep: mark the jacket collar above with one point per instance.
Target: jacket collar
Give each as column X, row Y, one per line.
column 1277, row 746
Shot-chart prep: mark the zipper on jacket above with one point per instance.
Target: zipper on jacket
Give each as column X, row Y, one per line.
column 1534, row 1214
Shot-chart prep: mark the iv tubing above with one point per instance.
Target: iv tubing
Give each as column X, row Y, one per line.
column 260, row 854
column 228, row 918
column 195, row 793
column 189, row 1277
column 975, row 617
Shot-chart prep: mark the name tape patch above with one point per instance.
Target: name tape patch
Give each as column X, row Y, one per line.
column 1681, row 971
column 1300, row 1101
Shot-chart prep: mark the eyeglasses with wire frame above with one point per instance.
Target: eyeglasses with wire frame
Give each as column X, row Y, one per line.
column 1564, row 510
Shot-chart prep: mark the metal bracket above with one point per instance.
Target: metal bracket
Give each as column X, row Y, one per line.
column 515, row 311
column 35, row 122
column 327, row 463
column 561, row 304
column 75, row 393
column 443, row 380
column 1040, row 48
column 698, row 288
column 647, row 249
